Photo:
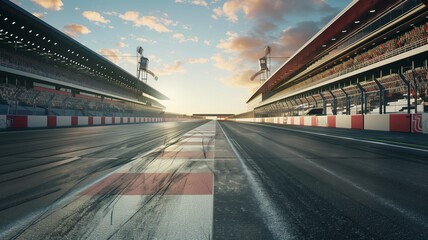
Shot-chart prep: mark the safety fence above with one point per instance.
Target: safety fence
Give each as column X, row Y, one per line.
column 410, row 123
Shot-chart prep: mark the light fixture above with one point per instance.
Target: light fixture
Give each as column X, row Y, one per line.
column 357, row 21
column 344, row 31
column 372, row 11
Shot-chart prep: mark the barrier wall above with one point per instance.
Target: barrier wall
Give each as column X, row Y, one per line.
column 415, row 123
column 12, row 121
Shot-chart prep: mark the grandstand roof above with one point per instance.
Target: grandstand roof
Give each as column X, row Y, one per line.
column 355, row 16
column 30, row 35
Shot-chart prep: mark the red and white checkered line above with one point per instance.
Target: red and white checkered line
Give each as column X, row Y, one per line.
column 154, row 196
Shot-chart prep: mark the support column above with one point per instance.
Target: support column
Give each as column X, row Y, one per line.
column 347, row 102
column 415, row 89
column 334, row 103
column 382, row 102
column 316, row 103
column 324, row 104
column 408, row 90
column 363, row 99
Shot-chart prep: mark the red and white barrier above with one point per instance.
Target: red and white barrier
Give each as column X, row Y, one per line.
column 33, row 121
column 62, row 121
column 416, row 123
column 376, row 122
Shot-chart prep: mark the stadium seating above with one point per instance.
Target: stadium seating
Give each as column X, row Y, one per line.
column 45, row 101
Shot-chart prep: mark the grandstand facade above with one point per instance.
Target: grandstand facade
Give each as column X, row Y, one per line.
column 370, row 59
column 45, row 72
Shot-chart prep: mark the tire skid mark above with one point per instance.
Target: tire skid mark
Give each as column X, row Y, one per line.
column 85, row 210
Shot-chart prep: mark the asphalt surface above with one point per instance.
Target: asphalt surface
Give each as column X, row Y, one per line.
column 40, row 167
column 270, row 182
column 320, row 183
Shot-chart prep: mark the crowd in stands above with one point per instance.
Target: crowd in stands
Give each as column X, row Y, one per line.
column 55, row 102
column 17, row 60
column 395, row 88
column 415, row 37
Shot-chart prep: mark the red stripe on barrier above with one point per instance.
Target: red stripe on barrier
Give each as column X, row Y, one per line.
column 121, row 120
column 153, row 183
column 90, row 120
column 302, row 121
column 331, row 121
column 20, row 122
column 103, row 120
column 357, row 122
column 51, row 121
column 314, row 121
column 74, row 121
column 399, row 122
column 113, row 119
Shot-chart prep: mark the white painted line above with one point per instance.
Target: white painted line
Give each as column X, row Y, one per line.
column 273, row 220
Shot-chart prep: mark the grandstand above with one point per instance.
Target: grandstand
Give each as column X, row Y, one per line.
column 45, row 72
column 370, row 59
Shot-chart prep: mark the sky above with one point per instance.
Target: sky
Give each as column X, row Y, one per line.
column 204, row 51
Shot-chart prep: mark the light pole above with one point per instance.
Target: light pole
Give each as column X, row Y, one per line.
column 142, row 66
column 265, row 65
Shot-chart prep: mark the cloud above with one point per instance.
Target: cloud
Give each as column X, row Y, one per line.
column 177, row 67
column 112, row 13
column 240, row 52
column 117, row 57
column 201, row 3
column 197, row 60
column 242, row 79
column 39, row 15
column 54, row 5
column 75, row 30
column 152, row 22
column 207, row 42
column 230, row 64
column 111, row 54
column 272, row 9
column 121, row 44
column 181, row 38
column 145, row 40
column 291, row 39
column 246, row 47
column 94, row 17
